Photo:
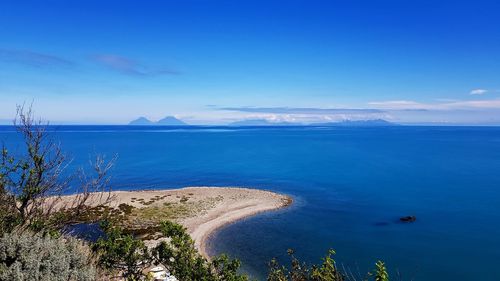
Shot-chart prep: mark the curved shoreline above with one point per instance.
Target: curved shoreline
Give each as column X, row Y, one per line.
column 201, row 210
column 203, row 232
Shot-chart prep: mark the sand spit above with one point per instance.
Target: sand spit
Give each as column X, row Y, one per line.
column 202, row 210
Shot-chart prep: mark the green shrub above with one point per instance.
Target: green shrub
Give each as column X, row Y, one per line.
column 184, row 262
column 121, row 252
column 31, row 256
column 299, row 271
column 380, row 272
column 326, row 271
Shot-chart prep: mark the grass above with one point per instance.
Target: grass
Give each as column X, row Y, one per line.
column 173, row 210
column 143, row 221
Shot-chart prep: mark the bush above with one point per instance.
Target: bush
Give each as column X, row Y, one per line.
column 326, row 271
column 121, row 252
column 184, row 262
column 299, row 271
column 31, row 256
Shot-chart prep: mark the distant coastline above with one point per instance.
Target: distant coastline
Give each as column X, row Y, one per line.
column 173, row 121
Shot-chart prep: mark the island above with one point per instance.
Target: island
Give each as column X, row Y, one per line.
column 167, row 121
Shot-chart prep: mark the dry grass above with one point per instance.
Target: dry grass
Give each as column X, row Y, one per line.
column 172, row 210
column 200, row 209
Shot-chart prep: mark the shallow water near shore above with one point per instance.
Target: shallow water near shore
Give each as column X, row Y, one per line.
column 351, row 186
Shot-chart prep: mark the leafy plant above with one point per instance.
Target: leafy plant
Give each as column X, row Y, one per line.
column 380, row 273
column 30, row 256
column 300, row 271
column 328, row 270
column 121, row 252
column 183, row 260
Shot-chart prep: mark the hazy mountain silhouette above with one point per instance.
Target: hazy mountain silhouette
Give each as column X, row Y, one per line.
column 171, row 121
column 260, row 122
column 358, row 123
column 345, row 123
column 141, row 121
column 167, row 121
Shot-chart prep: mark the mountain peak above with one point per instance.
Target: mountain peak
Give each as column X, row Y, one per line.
column 171, row 121
column 141, row 121
column 167, row 121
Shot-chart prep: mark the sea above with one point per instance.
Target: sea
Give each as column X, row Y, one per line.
column 350, row 186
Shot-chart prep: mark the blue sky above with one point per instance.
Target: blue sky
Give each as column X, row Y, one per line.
column 212, row 62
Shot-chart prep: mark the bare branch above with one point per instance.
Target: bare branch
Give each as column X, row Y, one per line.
column 93, row 190
column 36, row 180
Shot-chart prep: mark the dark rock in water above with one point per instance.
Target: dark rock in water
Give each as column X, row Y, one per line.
column 408, row 219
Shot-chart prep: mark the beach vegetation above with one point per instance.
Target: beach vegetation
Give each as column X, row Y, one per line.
column 31, row 256
column 184, row 261
column 327, row 270
column 125, row 208
column 300, row 271
column 120, row 252
column 380, row 272
column 124, row 255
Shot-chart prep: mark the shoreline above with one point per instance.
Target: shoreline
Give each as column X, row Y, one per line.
column 201, row 210
column 203, row 232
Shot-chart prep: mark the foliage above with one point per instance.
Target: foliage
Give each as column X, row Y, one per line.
column 224, row 268
column 9, row 218
column 174, row 230
column 29, row 256
column 183, row 260
column 299, row 271
column 380, row 273
column 277, row 272
column 122, row 252
column 326, row 271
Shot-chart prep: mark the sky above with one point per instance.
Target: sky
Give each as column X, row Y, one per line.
column 214, row 62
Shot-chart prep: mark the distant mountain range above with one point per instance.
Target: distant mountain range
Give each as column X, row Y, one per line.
column 167, row 121
column 172, row 121
column 359, row 123
column 345, row 123
column 261, row 122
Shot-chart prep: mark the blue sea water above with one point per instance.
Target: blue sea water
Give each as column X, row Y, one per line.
column 350, row 186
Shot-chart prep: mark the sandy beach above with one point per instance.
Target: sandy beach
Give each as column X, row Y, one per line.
column 202, row 210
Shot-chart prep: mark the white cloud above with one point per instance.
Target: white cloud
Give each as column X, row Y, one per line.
column 401, row 104
column 315, row 118
column 478, row 92
column 476, row 104
column 451, row 105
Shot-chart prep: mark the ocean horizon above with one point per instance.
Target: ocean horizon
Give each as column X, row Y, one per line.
column 350, row 187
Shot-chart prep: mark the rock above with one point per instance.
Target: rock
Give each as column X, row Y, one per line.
column 408, row 219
